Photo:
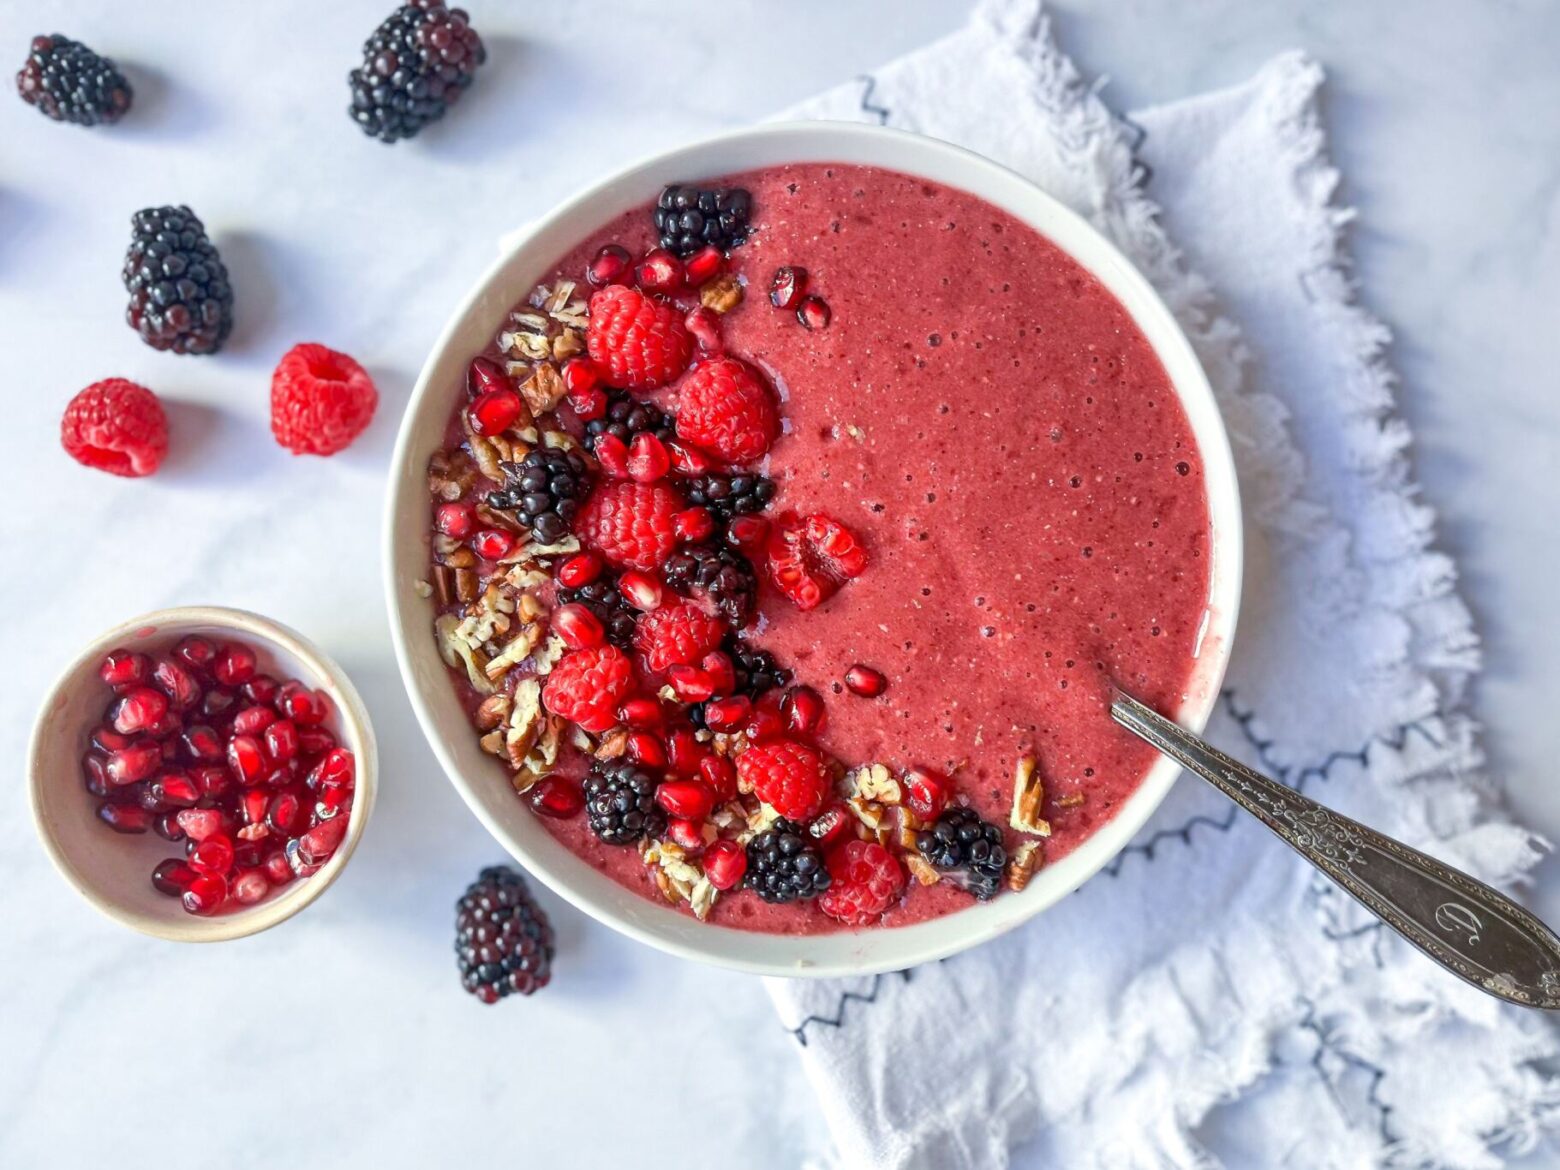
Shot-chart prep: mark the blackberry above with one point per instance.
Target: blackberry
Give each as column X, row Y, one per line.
column 620, row 802
column 626, row 417
column 730, row 494
column 180, row 298
column 784, row 865
column 415, row 66
column 68, row 82
column 722, row 574
column 756, row 669
column 603, row 598
column 545, row 490
column 687, row 218
column 503, row 941
column 960, row 841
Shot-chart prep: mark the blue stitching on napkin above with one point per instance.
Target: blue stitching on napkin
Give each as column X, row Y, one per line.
column 880, row 112
column 1325, row 1048
column 837, row 1020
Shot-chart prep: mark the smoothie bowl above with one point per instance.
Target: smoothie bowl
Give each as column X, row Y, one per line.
column 768, row 527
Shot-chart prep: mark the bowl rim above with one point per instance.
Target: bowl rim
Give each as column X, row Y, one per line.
column 357, row 732
column 748, row 951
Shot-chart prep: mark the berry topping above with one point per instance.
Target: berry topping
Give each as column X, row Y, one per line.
column 68, row 82
column 865, row 681
column 813, row 312
column 726, row 408
column 755, row 669
column 601, row 596
column 503, row 942
column 117, row 427
column 544, row 491
column 721, row 574
column 180, row 298
column 787, row 286
column 677, row 635
column 687, row 217
column 726, row 495
column 610, row 266
column 636, row 341
column 961, row 843
column 321, row 400
column 791, row 777
column 556, row 797
column 627, row 417
column 867, row 880
column 783, row 865
column 810, row 558
column 415, row 66
column 632, row 525
column 703, row 264
column 586, row 686
column 725, row 864
column 659, row 272
column 620, row 802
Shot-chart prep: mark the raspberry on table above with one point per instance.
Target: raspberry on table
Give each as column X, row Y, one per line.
column 638, row 342
column 503, row 941
column 116, row 426
column 321, row 400
column 783, row 864
column 180, row 298
column 415, row 66
column 587, row 686
column 726, row 408
column 68, row 82
column 867, row 880
column 631, row 524
column 790, row 777
column 677, row 635
column 620, row 802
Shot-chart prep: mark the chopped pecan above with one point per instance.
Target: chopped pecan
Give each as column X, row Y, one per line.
column 544, row 389
column 1028, row 798
column 721, row 293
column 1021, row 865
column 493, row 711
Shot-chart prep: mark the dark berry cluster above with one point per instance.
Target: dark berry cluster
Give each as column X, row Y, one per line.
column 627, row 416
column 756, row 670
column 503, row 941
column 687, row 218
column 415, row 66
column 722, row 574
column 728, row 494
column 603, row 598
column 784, row 865
column 620, row 802
column 180, row 298
column 960, row 842
column 68, row 82
column 545, row 491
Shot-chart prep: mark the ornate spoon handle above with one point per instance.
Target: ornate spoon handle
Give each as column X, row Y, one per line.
column 1469, row 928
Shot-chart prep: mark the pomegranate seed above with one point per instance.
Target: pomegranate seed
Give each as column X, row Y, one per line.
column 641, row 713
column 235, row 664
column 687, row 460
column 813, row 312
column 337, row 770
column 286, row 814
column 139, row 710
column 694, row 525
column 455, row 520
column 493, row 544
column 214, row 780
column 260, row 689
column 578, row 627
column 647, row 459
column 580, row 375
column 748, row 532
column 332, row 802
column 721, row 776
column 494, row 411
column 281, row 740
column 201, row 743
column 249, row 854
column 803, row 711
column 199, row 823
column 645, row 748
column 217, row 703
column 125, row 668
column 277, row 868
column 612, row 454
column 247, row 759
column 250, row 886
column 176, row 682
column 176, row 790
column 483, row 376
column 106, row 740
column 725, row 864
column 316, row 846
column 766, row 722
column 641, row 590
column 727, row 714
column 688, row 799
column 589, row 404
column 580, row 569
column 927, row 793
column 196, row 653
column 704, row 323
column 124, row 817
column 253, row 720
column 610, row 266
column 314, row 741
column 169, row 724
column 722, row 675
column 688, row 834
column 659, row 272
column 143, row 795
column 303, row 706
column 865, row 681
column 253, row 805
column 94, row 774
column 136, row 762
column 787, row 286
column 172, row 876
column 831, row 824
column 213, row 854
column 703, row 264
column 205, row 894
column 166, row 826
column 691, row 684
column 553, row 796
column 684, row 751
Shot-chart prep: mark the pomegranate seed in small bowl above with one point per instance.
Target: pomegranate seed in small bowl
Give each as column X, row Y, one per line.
column 230, row 791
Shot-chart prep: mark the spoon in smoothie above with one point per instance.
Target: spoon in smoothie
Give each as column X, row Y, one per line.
column 1471, row 929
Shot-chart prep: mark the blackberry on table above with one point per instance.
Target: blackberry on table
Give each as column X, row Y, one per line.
column 503, row 941
column 68, row 82
column 960, row 842
column 620, row 802
column 415, row 66
column 688, row 217
column 603, row 598
column 545, row 491
column 180, row 297
column 728, row 494
column 627, row 416
column 784, row 865
column 722, row 574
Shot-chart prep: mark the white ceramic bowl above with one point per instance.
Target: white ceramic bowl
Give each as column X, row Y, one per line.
column 113, row 872
column 480, row 779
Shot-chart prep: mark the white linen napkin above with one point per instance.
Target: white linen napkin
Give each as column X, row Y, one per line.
column 1207, row 1000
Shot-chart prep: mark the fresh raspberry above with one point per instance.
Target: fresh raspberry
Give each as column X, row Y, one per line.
column 725, row 408
column 117, row 427
column 587, row 686
column 639, row 343
column 865, row 880
column 320, row 400
column 811, row 557
column 790, row 777
column 633, row 525
column 677, row 635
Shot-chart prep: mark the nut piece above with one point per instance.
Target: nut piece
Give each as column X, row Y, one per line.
column 1028, row 798
column 493, row 711
column 922, row 870
column 721, row 293
column 544, row 389
column 450, row 474
column 1021, row 865
column 875, row 782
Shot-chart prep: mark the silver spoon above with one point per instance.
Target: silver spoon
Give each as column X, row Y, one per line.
column 1469, row 928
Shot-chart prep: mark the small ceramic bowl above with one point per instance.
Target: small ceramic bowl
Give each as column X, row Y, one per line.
column 113, row 872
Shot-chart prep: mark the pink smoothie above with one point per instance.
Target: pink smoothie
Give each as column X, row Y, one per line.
column 1000, row 436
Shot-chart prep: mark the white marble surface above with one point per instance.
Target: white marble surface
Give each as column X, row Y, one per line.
column 342, row 1037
